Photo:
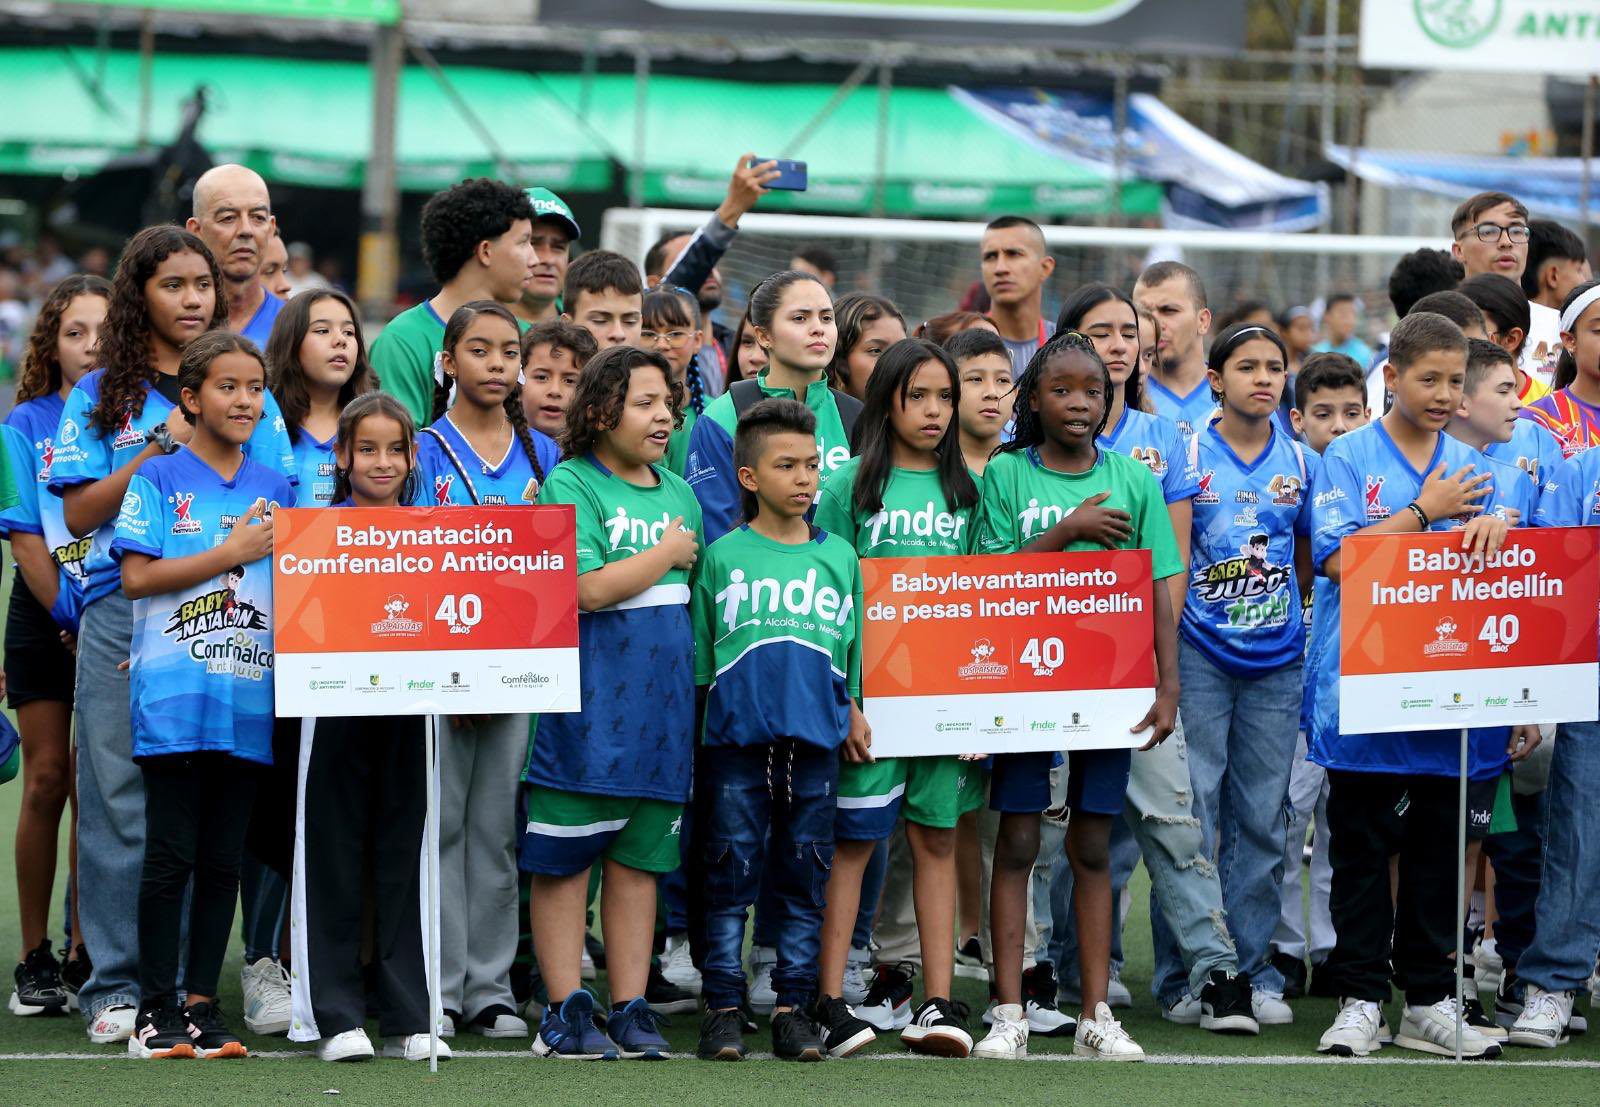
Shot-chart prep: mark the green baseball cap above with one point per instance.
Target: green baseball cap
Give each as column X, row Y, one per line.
column 547, row 205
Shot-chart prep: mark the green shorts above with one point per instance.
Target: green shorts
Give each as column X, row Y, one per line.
column 569, row 831
column 928, row 791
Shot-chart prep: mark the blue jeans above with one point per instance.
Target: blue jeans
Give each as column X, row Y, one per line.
column 1241, row 736
column 1568, row 936
column 788, row 790
column 765, row 930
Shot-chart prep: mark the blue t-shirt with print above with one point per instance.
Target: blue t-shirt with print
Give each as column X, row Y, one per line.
column 1533, row 449
column 1242, row 608
column 1191, row 412
column 1161, row 446
column 30, row 440
column 1364, row 479
column 314, row 465
column 506, row 480
column 85, row 454
column 201, row 672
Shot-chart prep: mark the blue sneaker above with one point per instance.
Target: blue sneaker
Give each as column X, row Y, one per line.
column 633, row 1029
column 570, row 1033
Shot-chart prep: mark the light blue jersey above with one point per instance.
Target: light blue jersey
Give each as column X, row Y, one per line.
column 1191, row 413
column 314, row 465
column 1571, row 493
column 1242, row 608
column 30, row 440
column 85, row 454
column 201, row 673
column 510, row 480
column 259, row 329
column 1533, row 449
column 1161, row 446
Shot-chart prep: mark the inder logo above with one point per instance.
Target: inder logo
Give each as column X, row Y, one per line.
column 1457, row 24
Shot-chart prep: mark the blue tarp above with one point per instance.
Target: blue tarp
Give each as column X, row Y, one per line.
column 1549, row 186
column 1209, row 185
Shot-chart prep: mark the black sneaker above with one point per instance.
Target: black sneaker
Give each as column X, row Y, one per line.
column 1039, row 1004
column 938, row 1028
column 888, row 1002
column 210, row 1035
column 795, row 1037
column 75, row 970
column 1473, row 1015
column 721, row 1036
column 1225, row 1004
column 161, row 1032
column 842, row 1032
column 1293, row 971
column 970, row 951
column 39, row 987
column 665, row 997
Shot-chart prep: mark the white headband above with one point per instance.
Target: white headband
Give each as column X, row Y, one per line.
column 1569, row 318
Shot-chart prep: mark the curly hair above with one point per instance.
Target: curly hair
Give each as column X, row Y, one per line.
column 384, row 406
column 1029, row 430
column 603, row 388
column 456, row 220
column 286, row 377
column 460, row 320
column 41, row 364
column 125, row 339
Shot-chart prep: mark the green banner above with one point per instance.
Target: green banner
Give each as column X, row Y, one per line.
column 353, row 11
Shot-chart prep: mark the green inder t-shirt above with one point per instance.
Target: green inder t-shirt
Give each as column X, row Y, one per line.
column 617, row 519
column 914, row 521
column 405, row 357
column 1022, row 499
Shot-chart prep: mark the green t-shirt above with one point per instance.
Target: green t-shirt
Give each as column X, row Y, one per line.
column 777, row 632
column 678, row 445
column 1022, row 499
column 9, row 497
column 405, row 357
column 914, row 521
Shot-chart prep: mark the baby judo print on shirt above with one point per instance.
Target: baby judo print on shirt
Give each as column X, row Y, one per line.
column 913, row 521
column 1242, row 609
column 202, row 658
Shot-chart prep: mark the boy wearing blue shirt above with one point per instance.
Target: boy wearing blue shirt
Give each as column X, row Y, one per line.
column 1487, row 420
column 1396, row 793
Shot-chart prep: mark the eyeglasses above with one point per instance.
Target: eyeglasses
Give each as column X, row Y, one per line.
column 671, row 338
column 1491, row 232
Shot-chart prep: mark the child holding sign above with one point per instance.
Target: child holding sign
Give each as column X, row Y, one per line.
column 609, row 783
column 907, row 494
column 1052, row 488
column 362, row 807
column 192, row 538
column 481, row 451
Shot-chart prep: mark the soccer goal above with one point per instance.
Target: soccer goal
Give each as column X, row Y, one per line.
column 927, row 266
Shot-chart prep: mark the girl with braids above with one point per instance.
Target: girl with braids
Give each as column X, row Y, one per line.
column 46, row 593
column 868, row 325
column 608, row 784
column 481, row 451
column 672, row 326
column 1050, row 489
column 164, row 295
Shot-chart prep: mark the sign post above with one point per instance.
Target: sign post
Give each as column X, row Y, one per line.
column 988, row 654
column 422, row 611
column 1432, row 638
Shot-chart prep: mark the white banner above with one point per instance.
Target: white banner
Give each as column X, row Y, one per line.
column 425, row 682
column 1557, row 37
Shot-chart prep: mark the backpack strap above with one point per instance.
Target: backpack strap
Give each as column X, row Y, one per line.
column 849, row 411
column 455, row 461
column 746, row 395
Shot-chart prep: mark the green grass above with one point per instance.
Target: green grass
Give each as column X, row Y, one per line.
column 293, row 1074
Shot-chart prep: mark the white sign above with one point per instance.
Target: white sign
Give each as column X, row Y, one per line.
column 1558, row 37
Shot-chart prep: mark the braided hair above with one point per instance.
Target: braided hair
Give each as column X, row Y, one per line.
column 460, row 320
column 667, row 305
column 1028, row 430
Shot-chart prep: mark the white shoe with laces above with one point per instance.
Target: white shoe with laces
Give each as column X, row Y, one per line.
column 1007, row 1039
column 1185, row 1010
column 678, row 966
column 266, row 997
column 1432, row 1029
column 1487, row 963
column 1357, row 1030
column 856, row 966
column 112, row 1025
column 1270, row 1009
column 412, row 1047
column 1544, row 1018
column 351, row 1045
column 763, row 997
column 1103, row 1038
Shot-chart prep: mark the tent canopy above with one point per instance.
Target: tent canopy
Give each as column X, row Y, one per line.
column 1549, row 186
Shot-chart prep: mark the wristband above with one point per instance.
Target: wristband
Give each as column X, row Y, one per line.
column 1422, row 516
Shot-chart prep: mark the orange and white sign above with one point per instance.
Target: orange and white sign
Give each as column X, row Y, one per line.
column 1434, row 639
column 1004, row 654
column 415, row 611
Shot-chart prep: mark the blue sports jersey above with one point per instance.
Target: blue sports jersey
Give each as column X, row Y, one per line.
column 30, row 440
column 1161, row 446
column 85, row 454
column 1533, row 449
column 201, row 677
column 314, row 464
column 511, row 480
column 259, row 329
column 1571, row 493
column 1191, row 412
column 1315, row 616
column 1363, row 479
column 1242, row 608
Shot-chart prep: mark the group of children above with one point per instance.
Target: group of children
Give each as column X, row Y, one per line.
column 720, row 759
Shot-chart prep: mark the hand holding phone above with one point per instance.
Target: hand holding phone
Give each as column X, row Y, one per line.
column 791, row 174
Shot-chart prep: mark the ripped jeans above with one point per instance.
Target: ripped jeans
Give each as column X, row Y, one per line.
column 789, row 788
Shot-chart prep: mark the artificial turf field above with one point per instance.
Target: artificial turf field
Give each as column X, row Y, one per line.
column 51, row 1061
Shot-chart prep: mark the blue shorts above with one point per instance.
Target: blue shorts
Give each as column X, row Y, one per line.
column 1019, row 783
column 1097, row 781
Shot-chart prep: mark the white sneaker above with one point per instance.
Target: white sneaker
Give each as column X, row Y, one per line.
column 412, row 1047
column 114, row 1024
column 498, row 1022
column 1432, row 1029
column 1007, row 1039
column 855, row 975
column 678, row 966
column 1117, row 994
column 1488, row 963
column 1356, row 1030
column 352, row 1045
column 1103, row 1038
column 1270, row 1009
column 266, row 997
column 1185, row 1010
column 1544, row 1018
column 1594, row 989
column 763, row 997
column 447, row 1025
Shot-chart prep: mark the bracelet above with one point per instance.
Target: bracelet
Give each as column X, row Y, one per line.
column 1422, row 516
